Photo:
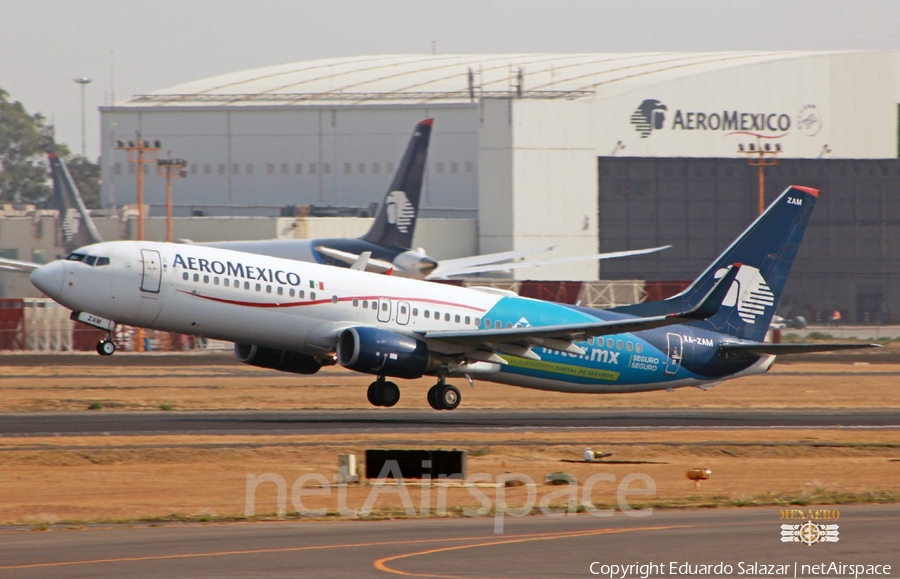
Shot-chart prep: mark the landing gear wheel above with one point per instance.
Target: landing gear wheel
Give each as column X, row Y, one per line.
column 372, row 394
column 389, row 394
column 449, row 397
column 106, row 347
column 433, row 397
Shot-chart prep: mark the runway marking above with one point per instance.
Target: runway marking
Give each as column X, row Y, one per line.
column 381, row 564
column 537, row 537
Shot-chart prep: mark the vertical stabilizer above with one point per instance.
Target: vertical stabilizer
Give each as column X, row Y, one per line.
column 766, row 251
column 395, row 221
column 78, row 228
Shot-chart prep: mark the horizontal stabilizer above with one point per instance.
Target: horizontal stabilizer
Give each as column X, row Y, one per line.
column 14, row 265
column 759, row 349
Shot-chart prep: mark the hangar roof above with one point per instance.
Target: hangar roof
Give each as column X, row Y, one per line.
column 416, row 78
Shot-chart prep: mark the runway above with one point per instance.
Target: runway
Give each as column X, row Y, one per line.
column 412, row 421
column 533, row 546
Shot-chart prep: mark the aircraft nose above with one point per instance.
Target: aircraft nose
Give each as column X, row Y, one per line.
column 49, row 278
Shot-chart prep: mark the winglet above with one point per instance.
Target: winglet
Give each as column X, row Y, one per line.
column 710, row 304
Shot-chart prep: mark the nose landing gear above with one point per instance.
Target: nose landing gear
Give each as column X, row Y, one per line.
column 383, row 393
column 106, row 347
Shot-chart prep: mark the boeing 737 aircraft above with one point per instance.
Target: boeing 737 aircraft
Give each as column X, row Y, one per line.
column 296, row 317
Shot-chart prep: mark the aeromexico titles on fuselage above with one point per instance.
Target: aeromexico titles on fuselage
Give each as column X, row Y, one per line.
column 242, row 270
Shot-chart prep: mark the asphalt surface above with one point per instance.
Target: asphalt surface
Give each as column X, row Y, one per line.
column 388, row 420
column 533, row 546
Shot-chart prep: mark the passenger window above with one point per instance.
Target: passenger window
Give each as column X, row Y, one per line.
column 90, row 260
column 334, row 299
column 280, row 291
column 302, row 295
column 446, row 317
column 216, row 280
column 226, row 281
column 456, row 319
column 384, row 306
column 196, row 277
column 268, row 289
column 498, row 324
column 468, row 320
column 205, row 279
column 102, row 261
column 437, row 315
column 403, row 310
column 609, row 342
column 291, row 292
column 487, row 323
column 415, row 312
column 478, row 322
column 312, row 295
column 259, row 287
column 508, row 325
column 355, row 302
column 427, row 314
column 246, row 285
column 185, row 276
column 629, row 346
column 618, row 344
column 639, row 348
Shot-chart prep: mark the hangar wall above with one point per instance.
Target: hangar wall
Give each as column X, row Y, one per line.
column 850, row 255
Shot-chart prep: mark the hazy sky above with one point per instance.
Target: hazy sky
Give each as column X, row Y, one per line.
column 153, row 45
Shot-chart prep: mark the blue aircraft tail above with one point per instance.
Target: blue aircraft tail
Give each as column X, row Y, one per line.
column 78, row 228
column 395, row 220
column 766, row 251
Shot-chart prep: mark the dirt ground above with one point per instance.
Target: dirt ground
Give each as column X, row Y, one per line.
column 74, row 480
column 217, row 383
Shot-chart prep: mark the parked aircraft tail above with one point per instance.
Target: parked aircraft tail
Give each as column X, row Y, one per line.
column 78, row 228
column 395, row 221
column 766, row 251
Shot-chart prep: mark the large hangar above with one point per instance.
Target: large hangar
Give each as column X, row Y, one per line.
column 540, row 147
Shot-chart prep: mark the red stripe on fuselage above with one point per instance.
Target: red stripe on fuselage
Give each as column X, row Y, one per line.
column 328, row 301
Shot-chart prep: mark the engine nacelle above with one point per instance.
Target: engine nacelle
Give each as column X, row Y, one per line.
column 282, row 360
column 384, row 353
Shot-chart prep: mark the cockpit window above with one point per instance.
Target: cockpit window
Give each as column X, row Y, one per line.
column 90, row 260
column 75, row 257
column 102, row 261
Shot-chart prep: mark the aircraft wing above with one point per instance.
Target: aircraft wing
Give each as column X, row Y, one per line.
column 760, row 348
column 448, row 267
column 553, row 261
column 351, row 259
column 562, row 337
column 17, row 266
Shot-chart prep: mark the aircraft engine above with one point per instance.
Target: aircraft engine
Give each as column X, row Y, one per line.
column 384, row 353
column 282, row 360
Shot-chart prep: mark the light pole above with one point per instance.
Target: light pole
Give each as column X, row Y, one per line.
column 170, row 168
column 83, row 81
column 760, row 155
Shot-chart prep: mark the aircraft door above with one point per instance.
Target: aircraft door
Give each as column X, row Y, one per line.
column 152, row 276
column 674, row 353
column 403, row 313
column 384, row 310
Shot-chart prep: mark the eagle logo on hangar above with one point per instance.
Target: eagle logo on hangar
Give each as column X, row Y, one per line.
column 649, row 116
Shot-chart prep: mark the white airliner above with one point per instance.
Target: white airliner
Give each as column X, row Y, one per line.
column 296, row 317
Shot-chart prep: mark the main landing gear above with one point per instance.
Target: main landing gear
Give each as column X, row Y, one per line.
column 443, row 396
column 106, row 347
column 383, row 393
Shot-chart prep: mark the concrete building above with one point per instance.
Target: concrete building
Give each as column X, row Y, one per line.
column 535, row 145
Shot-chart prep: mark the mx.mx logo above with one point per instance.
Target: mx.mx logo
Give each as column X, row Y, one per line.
column 649, row 116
